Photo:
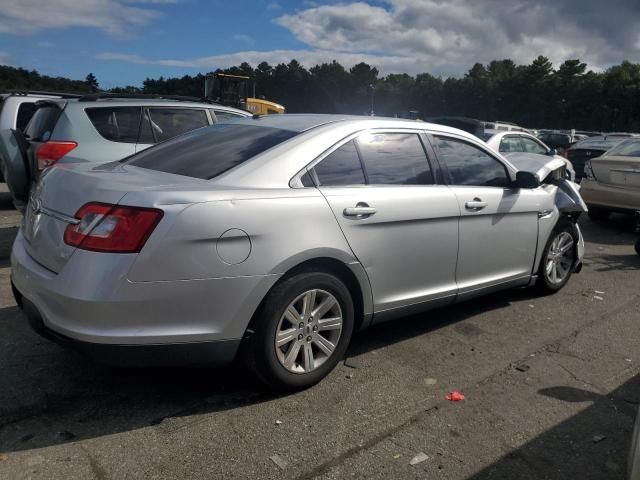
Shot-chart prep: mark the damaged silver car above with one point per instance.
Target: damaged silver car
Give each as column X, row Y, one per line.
column 276, row 238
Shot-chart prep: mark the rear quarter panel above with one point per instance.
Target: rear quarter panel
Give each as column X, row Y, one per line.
column 275, row 229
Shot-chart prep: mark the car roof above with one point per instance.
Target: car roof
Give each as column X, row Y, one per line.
column 302, row 122
column 127, row 102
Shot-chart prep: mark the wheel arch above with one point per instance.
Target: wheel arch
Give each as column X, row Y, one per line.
column 350, row 272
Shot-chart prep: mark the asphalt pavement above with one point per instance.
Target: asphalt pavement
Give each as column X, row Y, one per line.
column 551, row 390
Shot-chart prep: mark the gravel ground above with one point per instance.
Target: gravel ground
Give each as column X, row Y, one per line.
column 551, row 386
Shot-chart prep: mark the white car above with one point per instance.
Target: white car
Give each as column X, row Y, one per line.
column 507, row 142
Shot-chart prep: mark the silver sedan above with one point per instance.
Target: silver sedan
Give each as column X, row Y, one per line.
column 277, row 238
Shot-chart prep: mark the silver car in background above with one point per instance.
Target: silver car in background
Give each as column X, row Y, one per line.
column 98, row 128
column 508, row 143
column 278, row 237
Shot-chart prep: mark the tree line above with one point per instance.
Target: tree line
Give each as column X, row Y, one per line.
column 536, row 95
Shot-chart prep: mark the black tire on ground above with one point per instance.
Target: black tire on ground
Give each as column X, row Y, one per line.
column 260, row 352
column 638, row 247
column 598, row 214
column 544, row 284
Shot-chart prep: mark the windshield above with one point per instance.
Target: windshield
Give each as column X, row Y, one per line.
column 598, row 143
column 629, row 148
column 208, row 152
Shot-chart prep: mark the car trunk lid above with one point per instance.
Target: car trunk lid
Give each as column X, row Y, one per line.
column 63, row 189
column 620, row 171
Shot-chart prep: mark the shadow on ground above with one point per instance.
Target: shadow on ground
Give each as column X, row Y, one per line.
column 593, row 444
column 51, row 396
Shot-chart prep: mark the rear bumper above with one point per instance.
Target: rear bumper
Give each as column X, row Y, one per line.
column 219, row 352
column 600, row 195
column 91, row 306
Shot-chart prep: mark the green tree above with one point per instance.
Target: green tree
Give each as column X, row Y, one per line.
column 92, row 83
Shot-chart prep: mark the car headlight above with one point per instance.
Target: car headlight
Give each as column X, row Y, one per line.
column 588, row 171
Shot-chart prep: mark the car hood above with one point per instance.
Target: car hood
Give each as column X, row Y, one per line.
column 540, row 165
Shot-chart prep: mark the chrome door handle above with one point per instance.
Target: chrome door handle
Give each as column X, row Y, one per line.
column 360, row 210
column 476, row 204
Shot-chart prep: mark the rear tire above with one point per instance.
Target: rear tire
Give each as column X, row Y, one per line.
column 558, row 259
column 598, row 214
column 637, row 247
column 289, row 348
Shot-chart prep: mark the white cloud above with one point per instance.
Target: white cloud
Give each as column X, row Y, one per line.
column 308, row 58
column 241, row 37
column 440, row 37
column 448, row 37
column 115, row 17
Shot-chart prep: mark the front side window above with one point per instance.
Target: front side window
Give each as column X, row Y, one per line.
column 167, row 123
column 341, row 167
column 469, row 165
column 510, row 143
column 118, row 124
column 394, row 159
column 531, row 146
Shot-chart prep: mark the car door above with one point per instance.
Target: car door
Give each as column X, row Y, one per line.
column 498, row 223
column 401, row 225
column 163, row 123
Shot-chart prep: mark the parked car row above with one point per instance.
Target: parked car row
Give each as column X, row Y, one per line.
column 506, row 138
column 93, row 128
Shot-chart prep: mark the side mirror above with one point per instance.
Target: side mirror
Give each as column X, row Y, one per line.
column 552, row 153
column 526, row 180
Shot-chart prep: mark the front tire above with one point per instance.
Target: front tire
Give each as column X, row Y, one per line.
column 302, row 331
column 558, row 259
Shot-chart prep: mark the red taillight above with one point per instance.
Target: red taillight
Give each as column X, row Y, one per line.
column 112, row 228
column 50, row 152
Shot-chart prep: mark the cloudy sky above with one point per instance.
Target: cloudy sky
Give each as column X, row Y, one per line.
column 124, row 41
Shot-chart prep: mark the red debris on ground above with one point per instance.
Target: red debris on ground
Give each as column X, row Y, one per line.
column 455, row 396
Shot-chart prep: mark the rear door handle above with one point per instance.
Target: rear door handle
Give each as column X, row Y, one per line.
column 476, row 204
column 361, row 210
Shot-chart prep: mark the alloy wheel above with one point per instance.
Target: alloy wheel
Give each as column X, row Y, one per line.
column 559, row 259
column 309, row 331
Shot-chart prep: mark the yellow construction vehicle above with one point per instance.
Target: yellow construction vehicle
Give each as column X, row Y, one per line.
column 233, row 91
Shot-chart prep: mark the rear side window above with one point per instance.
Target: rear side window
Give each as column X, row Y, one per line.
column 118, row 124
column 25, row 112
column 469, row 165
column 342, row 167
column 208, row 152
column 394, row 159
column 43, row 122
column 223, row 116
column 167, row 123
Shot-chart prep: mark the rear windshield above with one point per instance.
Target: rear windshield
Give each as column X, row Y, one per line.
column 42, row 123
column 598, row 143
column 628, row 148
column 207, row 152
